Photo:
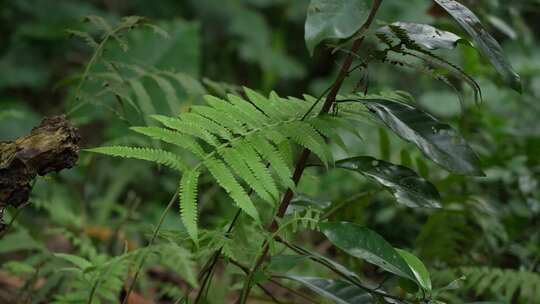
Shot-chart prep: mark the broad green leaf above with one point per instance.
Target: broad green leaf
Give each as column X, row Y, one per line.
column 366, row 244
column 425, row 35
column 418, row 268
column 484, row 42
column 438, row 141
column 339, row 291
column 408, row 187
column 333, row 19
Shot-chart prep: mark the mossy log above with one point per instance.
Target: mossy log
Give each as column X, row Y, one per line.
column 50, row 147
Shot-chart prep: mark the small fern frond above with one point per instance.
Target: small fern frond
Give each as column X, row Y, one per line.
column 259, row 169
column 248, row 112
column 322, row 127
column 220, row 118
column 209, row 125
column 169, row 91
column 248, row 146
column 143, row 99
column 188, row 128
column 226, row 180
column 266, row 105
column 276, row 160
column 172, row 137
column 154, row 155
column 507, row 283
column 188, row 202
column 236, row 161
column 306, row 136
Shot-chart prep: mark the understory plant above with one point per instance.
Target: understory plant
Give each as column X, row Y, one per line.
column 257, row 146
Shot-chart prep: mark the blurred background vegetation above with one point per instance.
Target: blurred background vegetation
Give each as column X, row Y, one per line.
column 489, row 230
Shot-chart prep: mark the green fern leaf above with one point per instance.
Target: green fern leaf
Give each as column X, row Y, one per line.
column 226, row 180
column 209, row 125
column 269, row 152
column 170, row 93
column 228, row 110
column 255, row 163
column 306, row 136
column 236, row 161
column 172, row 137
column 188, row 202
column 220, row 118
column 247, row 112
column 187, row 128
column 265, row 105
column 144, row 100
column 154, row 155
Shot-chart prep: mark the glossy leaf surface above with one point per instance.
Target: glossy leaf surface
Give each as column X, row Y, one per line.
column 425, row 35
column 437, row 140
column 337, row 290
column 366, row 244
column 418, row 268
column 484, row 42
column 407, row 187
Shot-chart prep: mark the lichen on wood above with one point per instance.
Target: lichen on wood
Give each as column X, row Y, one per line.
column 50, row 147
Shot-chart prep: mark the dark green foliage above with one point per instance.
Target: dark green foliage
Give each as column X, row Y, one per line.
column 246, row 223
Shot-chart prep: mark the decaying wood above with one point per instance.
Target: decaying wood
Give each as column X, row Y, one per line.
column 50, row 147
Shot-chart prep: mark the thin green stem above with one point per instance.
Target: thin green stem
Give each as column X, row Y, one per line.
column 13, row 218
column 353, row 280
column 145, row 253
column 302, row 161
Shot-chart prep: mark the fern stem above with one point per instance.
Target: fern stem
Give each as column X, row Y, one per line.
column 302, row 161
column 291, row 290
column 145, row 253
column 205, row 274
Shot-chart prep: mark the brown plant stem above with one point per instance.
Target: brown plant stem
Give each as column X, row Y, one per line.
column 302, row 161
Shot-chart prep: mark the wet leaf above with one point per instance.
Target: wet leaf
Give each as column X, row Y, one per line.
column 339, row 291
column 438, row 141
column 418, row 268
column 484, row 42
column 366, row 244
column 406, row 185
column 425, row 35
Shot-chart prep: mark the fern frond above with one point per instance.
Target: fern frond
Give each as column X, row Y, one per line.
column 266, row 105
column 235, row 160
column 503, row 282
column 255, row 163
column 269, row 152
column 143, row 99
column 169, row 91
column 209, row 125
column 226, row 180
column 154, row 155
column 306, row 136
column 188, row 202
column 229, row 110
column 172, row 137
column 187, row 128
column 248, row 112
column 322, row 126
column 220, row 118
column 248, row 142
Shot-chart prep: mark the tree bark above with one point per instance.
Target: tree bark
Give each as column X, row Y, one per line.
column 50, row 147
